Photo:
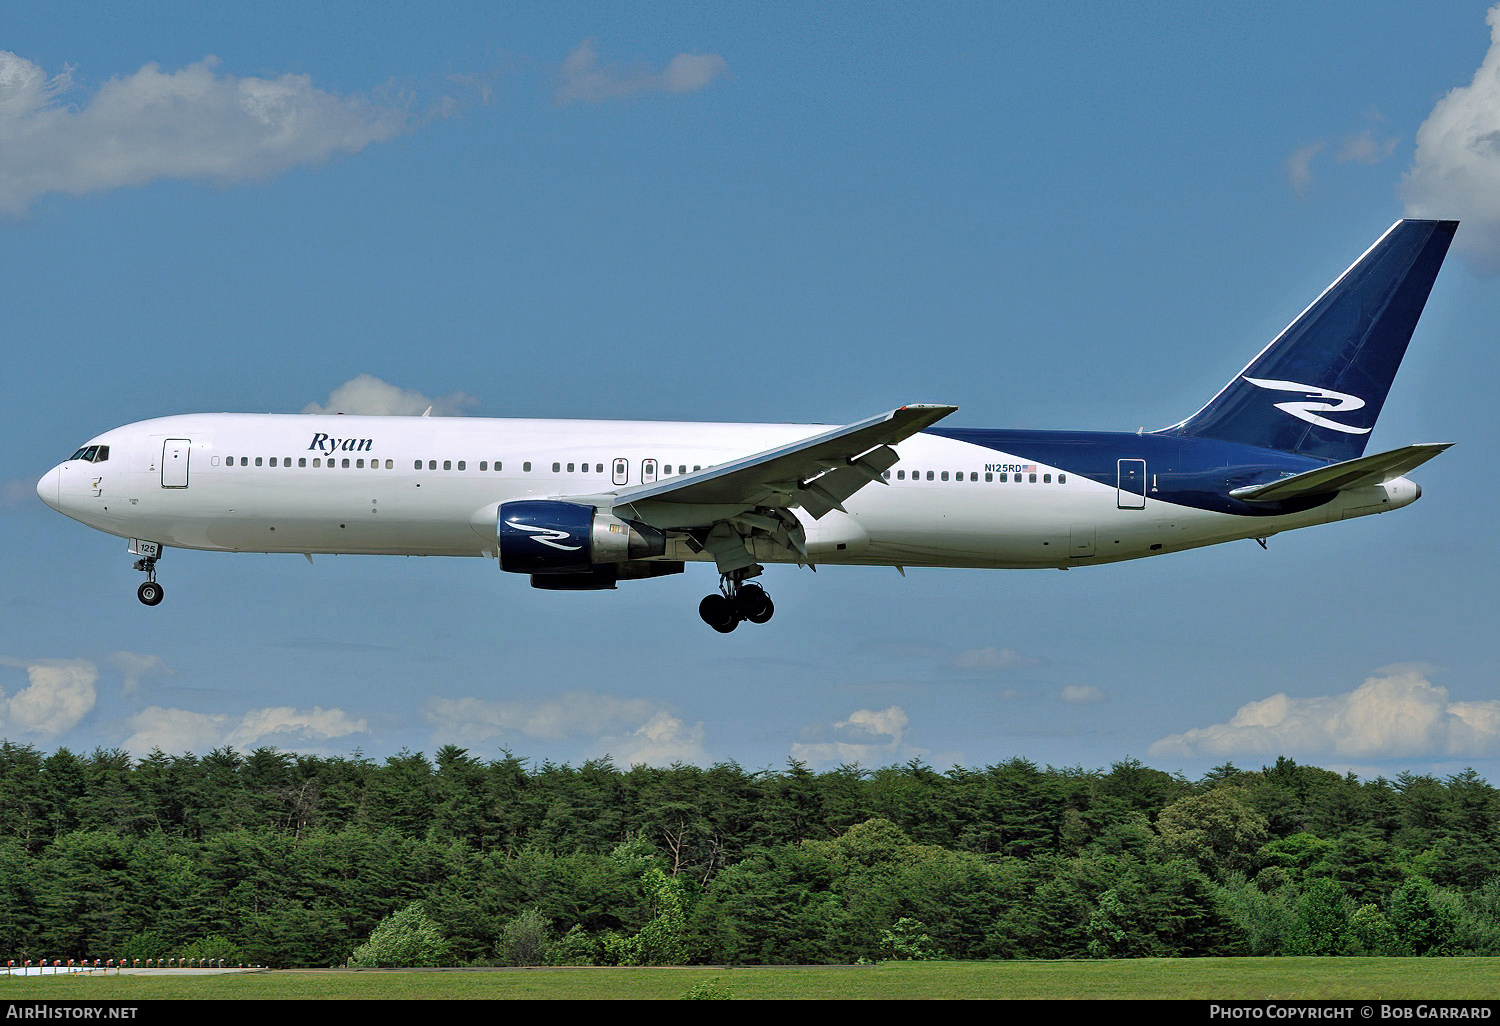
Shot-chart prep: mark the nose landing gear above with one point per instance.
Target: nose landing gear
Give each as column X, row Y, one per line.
column 736, row 601
column 149, row 593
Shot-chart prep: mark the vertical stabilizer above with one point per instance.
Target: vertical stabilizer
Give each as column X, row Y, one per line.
column 1320, row 384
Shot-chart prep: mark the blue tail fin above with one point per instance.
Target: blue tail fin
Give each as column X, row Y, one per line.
column 1320, row 384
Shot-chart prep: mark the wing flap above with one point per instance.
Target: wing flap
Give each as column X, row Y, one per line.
column 1337, row 477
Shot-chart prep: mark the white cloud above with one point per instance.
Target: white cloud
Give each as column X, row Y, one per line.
column 991, row 658
column 59, row 693
column 290, row 726
column 1082, row 694
column 17, row 493
column 1299, row 167
column 367, row 394
column 176, row 731
column 1456, row 173
column 194, row 123
column 630, row 730
column 1397, row 714
column 868, row 736
column 1364, row 148
column 582, row 79
column 180, row 730
column 135, row 667
column 577, row 713
column 660, row 741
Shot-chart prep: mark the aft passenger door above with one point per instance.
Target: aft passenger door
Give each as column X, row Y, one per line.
column 1132, row 484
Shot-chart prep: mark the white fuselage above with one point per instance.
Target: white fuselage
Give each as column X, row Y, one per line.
column 431, row 486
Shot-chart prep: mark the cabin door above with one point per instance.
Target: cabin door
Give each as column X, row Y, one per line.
column 174, row 462
column 1132, row 484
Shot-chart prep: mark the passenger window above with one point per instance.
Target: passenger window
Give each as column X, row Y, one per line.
column 302, row 461
column 257, row 461
column 989, row 476
column 1062, row 478
column 1031, row 478
column 570, row 468
column 1046, row 479
column 346, row 463
column 929, row 475
column 463, row 464
column 556, row 468
column 484, row 464
column 447, row 464
column 526, row 466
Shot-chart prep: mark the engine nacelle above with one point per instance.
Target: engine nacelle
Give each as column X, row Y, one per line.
column 546, row 536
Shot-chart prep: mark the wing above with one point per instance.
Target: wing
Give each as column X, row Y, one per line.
column 721, row 507
column 1366, row 470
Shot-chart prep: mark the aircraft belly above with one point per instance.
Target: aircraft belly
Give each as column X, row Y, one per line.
column 339, row 520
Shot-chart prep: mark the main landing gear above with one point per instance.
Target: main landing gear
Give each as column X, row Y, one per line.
column 736, row 601
column 149, row 593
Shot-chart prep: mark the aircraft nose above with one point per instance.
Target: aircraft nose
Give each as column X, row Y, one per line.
column 48, row 488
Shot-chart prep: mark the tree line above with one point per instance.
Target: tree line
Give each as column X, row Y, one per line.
column 286, row 859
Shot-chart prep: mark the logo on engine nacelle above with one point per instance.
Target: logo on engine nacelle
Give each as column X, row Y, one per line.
column 549, row 536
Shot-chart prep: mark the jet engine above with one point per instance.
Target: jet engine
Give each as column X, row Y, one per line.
column 548, row 536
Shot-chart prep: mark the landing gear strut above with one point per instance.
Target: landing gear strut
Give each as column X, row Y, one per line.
column 149, row 593
column 736, row 601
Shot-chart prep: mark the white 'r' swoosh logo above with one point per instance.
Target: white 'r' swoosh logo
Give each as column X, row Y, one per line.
column 546, row 535
column 1308, row 411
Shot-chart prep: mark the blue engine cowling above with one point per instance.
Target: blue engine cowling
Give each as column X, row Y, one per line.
column 547, row 536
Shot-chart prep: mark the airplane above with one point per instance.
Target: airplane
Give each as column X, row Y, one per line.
column 584, row 505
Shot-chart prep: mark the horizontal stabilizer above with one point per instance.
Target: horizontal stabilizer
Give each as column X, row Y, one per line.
column 1367, row 470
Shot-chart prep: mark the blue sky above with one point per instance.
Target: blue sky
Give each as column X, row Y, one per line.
column 1054, row 216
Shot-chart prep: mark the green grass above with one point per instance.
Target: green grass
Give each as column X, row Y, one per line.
column 1186, row 978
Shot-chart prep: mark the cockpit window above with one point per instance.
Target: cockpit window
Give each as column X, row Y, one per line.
column 91, row 454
